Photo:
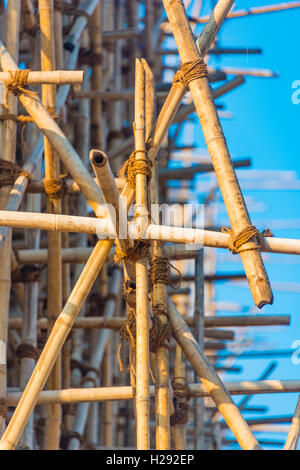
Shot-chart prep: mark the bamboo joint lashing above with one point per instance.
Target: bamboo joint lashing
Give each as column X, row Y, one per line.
column 134, row 166
column 9, row 172
column 248, row 233
column 181, row 401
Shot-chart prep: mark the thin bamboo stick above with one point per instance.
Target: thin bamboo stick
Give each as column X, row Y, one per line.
column 293, row 436
column 211, row 381
column 97, row 76
column 210, row 322
column 216, row 144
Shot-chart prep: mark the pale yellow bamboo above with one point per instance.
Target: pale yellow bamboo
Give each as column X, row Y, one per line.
column 217, row 147
column 54, row 77
column 52, row 171
column 53, row 346
column 7, row 153
column 211, row 381
column 77, row 395
column 142, row 326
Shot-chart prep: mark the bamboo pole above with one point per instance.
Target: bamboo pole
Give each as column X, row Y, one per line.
column 293, row 436
column 211, row 381
column 77, row 395
column 165, row 233
column 54, row 77
column 217, row 148
column 52, row 172
column 210, row 322
column 97, row 76
column 8, row 153
column 142, row 326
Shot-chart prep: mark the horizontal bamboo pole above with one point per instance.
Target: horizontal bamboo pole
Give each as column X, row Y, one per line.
column 78, row 395
column 37, row 186
column 116, row 323
column 81, row 254
column 187, row 173
column 165, row 233
column 120, row 34
column 244, row 71
column 122, row 95
column 57, row 77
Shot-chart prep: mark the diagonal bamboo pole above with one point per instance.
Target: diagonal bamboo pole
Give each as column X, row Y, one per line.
column 211, row 381
column 53, row 346
column 217, row 147
column 294, row 432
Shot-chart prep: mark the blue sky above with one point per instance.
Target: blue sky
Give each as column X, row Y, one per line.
column 265, row 126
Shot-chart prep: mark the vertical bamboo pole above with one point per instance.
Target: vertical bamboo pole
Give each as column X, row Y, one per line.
column 54, row 294
column 97, row 76
column 178, row 431
column 199, row 404
column 218, row 150
column 8, row 153
column 142, row 326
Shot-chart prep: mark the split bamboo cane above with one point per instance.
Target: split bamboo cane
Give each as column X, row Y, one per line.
column 216, row 144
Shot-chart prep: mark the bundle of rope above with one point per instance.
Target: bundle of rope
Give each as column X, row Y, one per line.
column 190, row 71
column 133, row 166
column 247, row 234
column 9, row 172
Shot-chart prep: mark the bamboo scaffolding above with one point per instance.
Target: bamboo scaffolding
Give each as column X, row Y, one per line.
column 54, row 77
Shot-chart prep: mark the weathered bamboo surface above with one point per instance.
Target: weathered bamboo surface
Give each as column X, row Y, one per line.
column 113, row 331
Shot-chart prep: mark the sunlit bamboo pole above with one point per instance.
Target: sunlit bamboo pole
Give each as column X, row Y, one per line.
column 216, row 144
column 52, row 172
column 77, row 395
column 142, row 326
column 211, row 381
column 8, row 153
column 54, row 77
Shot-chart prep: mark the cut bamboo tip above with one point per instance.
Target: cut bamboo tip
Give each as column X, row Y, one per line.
column 98, row 158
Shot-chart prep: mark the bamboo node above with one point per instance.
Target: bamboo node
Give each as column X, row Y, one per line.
column 193, row 71
column 181, row 401
column 134, row 166
column 9, row 172
column 237, row 241
column 27, row 350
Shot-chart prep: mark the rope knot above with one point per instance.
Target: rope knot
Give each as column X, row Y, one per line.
column 18, row 84
column 139, row 250
column 181, row 401
column 54, row 188
column 192, row 70
column 9, row 173
column 237, row 241
column 134, row 166
column 159, row 271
